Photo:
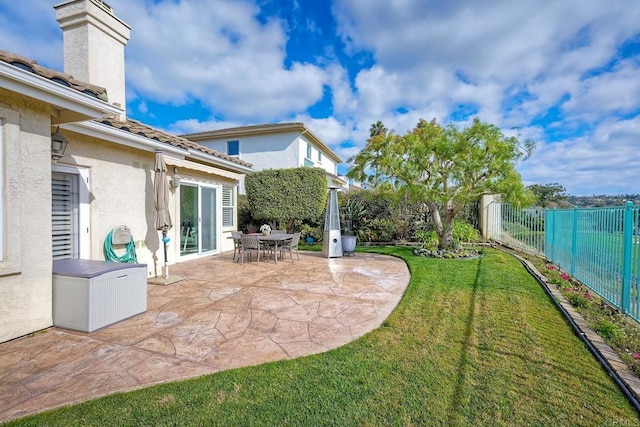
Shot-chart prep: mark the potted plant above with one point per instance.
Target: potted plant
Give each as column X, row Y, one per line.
column 352, row 219
column 348, row 236
column 310, row 233
column 265, row 229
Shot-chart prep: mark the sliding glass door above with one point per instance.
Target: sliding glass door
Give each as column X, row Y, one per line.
column 198, row 219
column 209, row 218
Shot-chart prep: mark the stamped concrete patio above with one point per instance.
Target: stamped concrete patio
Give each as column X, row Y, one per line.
column 223, row 315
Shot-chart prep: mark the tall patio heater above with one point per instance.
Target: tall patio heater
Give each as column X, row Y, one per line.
column 332, row 242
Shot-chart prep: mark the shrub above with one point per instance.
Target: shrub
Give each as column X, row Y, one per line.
column 578, row 299
column 283, row 195
column 353, row 218
column 307, row 230
column 608, row 330
column 427, row 238
column 464, row 232
column 382, row 230
column 244, row 213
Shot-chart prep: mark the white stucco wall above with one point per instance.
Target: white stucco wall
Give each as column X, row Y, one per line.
column 122, row 193
column 490, row 214
column 274, row 151
column 94, row 41
column 325, row 162
column 25, row 270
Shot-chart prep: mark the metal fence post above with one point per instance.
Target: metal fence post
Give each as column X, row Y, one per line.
column 626, row 264
column 549, row 232
column 574, row 242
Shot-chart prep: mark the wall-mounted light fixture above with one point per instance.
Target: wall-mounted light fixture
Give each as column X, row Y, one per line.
column 175, row 180
column 58, row 145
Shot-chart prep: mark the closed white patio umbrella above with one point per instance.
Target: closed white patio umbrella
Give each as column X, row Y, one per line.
column 163, row 217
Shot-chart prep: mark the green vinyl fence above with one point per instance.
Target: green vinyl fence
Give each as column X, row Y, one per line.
column 598, row 246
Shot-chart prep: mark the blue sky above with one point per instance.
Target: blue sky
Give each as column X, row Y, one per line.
column 564, row 73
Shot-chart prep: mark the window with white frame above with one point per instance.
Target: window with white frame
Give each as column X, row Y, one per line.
column 319, row 156
column 70, row 212
column 308, row 150
column 228, row 206
column 233, row 147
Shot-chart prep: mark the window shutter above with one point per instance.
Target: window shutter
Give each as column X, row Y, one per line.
column 64, row 215
column 228, row 207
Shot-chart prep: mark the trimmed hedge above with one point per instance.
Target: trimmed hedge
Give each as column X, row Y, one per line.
column 284, row 195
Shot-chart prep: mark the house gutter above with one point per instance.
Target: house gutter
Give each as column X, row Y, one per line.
column 321, row 144
column 62, row 97
column 132, row 140
column 194, row 154
column 123, row 137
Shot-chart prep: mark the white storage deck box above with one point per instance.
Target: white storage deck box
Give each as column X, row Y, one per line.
column 89, row 294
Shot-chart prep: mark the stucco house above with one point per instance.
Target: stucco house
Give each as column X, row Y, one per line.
column 274, row 146
column 64, row 206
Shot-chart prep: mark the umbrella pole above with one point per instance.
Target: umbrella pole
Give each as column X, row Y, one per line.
column 166, row 263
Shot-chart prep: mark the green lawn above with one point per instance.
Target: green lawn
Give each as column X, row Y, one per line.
column 473, row 342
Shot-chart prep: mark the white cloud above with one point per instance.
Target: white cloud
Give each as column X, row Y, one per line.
column 181, row 127
column 510, row 62
column 615, row 91
column 219, row 54
column 513, row 63
column 22, row 21
column 606, row 162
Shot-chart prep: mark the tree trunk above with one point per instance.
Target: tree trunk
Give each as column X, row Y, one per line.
column 445, row 239
column 443, row 230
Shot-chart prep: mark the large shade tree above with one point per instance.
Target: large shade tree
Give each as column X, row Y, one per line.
column 550, row 195
column 445, row 167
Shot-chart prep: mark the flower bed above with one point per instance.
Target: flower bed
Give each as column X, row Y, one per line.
column 448, row 254
column 617, row 330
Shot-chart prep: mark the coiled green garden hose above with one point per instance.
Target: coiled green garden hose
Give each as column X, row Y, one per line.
column 110, row 254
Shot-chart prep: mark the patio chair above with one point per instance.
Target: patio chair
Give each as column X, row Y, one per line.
column 271, row 245
column 250, row 244
column 237, row 244
column 291, row 245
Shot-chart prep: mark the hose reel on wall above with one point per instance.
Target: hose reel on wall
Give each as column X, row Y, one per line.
column 120, row 236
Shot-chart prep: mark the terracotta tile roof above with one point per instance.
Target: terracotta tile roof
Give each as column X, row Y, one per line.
column 98, row 92
column 138, row 128
column 55, row 76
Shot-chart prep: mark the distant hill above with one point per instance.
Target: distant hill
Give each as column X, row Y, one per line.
column 603, row 200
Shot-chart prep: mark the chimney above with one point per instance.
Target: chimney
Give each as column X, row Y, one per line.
column 94, row 40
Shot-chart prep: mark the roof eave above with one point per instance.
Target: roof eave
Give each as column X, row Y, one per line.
column 69, row 104
column 244, row 131
column 128, row 139
column 220, row 162
column 122, row 137
column 333, row 156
